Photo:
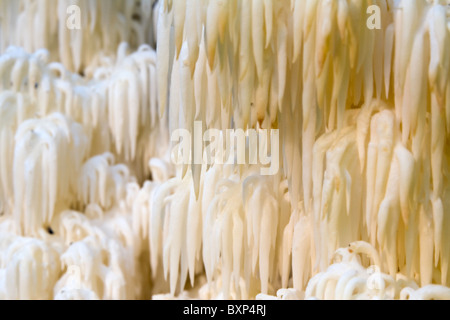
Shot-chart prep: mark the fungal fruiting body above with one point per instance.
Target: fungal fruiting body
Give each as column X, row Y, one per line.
column 96, row 203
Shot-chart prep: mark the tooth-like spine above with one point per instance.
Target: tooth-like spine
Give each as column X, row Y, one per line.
column 190, row 28
column 300, row 251
column 214, row 16
column 268, row 21
column 282, row 57
column 437, row 145
column 415, row 89
column 179, row 15
column 157, row 221
column 266, row 242
column 426, row 246
column 438, row 225
column 406, row 180
column 388, row 218
column 447, row 108
column 193, row 234
column 299, row 11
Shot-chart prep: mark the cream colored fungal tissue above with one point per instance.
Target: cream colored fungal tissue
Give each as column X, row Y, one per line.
column 98, row 100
